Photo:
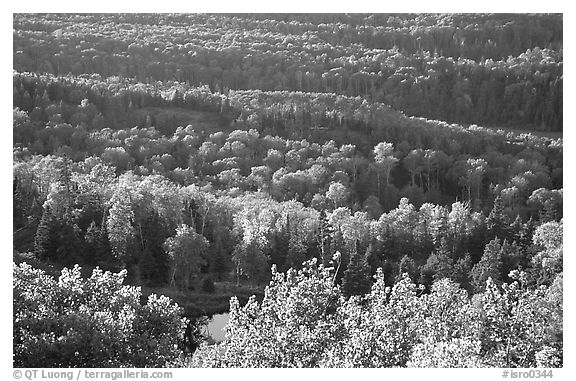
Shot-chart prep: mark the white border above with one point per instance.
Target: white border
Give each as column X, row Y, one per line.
column 294, row 6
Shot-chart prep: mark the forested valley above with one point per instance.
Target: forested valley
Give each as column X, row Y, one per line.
column 354, row 190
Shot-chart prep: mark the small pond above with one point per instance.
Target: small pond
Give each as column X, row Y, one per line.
column 216, row 327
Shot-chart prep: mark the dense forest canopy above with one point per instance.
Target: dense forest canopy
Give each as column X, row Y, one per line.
column 500, row 70
column 396, row 171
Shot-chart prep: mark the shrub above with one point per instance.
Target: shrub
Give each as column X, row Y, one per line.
column 305, row 321
column 94, row 322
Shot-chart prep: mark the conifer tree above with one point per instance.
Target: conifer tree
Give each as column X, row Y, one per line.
column 516, row 228
column 511, row 258
column 46, row 241
column 490, row 266
column 527, row 233
column 98, row 249
column 461, row 272
column 390, row 271
column 408, row 266
column 372, row 256
column 68, row 252
column 497, row 221
column 549, row 212
column 357, row 279
column 438, row 266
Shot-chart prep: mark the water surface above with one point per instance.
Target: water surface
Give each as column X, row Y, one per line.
column 215, row 328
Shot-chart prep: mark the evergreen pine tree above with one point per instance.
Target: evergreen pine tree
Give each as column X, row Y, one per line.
column 69, row 248
column 438, row 266
column 548, row 213
column 389, row 270
column 516, row 229
column 511, row 258
column 426, row 275
column 461, row 272
column 408, row 266
column 497, row 221
column 527, row 233
column 357, row 280
column 46, row 241
column 97, row 250
column 490, row 266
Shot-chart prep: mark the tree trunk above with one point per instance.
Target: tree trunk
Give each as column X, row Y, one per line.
column 237, row 274
column 172, row 277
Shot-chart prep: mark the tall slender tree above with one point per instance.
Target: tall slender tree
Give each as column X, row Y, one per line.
column 356, row 280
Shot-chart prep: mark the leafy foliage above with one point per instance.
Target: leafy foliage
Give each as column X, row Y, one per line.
column 356, row 279
column 305, row 321
column 471, row 68
column 93, row 322
column 186, row 251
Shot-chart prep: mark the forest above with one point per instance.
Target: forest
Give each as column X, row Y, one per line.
column 355, row 190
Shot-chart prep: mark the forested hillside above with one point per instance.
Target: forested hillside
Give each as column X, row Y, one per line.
column 500, row 70
column 190, row 154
